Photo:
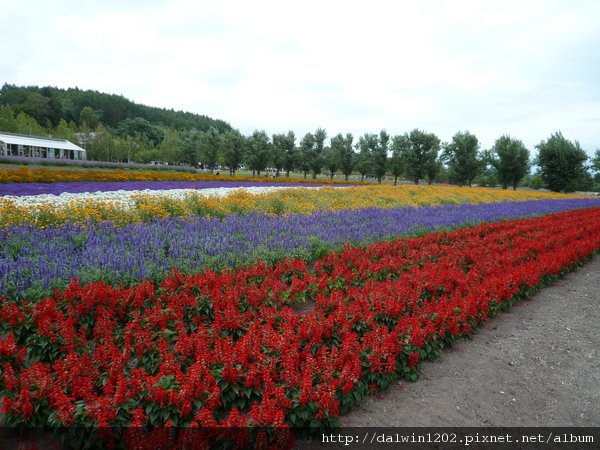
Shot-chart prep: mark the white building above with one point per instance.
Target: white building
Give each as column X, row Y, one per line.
column 39, row 147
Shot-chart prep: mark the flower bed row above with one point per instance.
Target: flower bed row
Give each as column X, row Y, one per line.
column 58, row 188
column 228, row 349
column 124, row 207
column 35, row 261
column 43, row 175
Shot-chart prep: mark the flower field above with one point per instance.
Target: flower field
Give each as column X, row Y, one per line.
column 250, row 321
column 54, row 204
column 43, row 175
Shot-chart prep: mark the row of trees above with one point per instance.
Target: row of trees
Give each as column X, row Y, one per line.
column 416, row 155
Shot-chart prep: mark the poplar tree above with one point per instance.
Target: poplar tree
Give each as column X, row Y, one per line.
column 561, row 163
column 509, row 159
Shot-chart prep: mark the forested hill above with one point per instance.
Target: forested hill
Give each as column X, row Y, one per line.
column 48, row 105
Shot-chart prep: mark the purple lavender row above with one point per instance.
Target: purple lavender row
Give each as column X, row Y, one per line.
column 20, row 189
column 35, row 261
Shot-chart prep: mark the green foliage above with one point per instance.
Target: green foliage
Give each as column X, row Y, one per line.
column 536, row 182
column 331, row 161
column 284, row 155
column 291, row 153
column 210, row 146
column 139, row 127
column 306, row 152
column 373, row 159
column 258, row 148
column 51, row 104
column 233, row 151
column 363, row 159
column 463, row 158
column 420, row 152
column 316, row 153
column 561, row 163
column 87, row 118
column 379, row 155
column 190, row 150
column 343, row 151
column 586, row 183
column 596, row 160
column 399, row 143
column 509, row 159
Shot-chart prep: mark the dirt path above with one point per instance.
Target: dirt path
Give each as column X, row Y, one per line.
column 536, row 365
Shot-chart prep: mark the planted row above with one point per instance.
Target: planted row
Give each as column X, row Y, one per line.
column 34, row 261
column 43, row 175
column 230, row 349
column 125, row 207
column 57, row 188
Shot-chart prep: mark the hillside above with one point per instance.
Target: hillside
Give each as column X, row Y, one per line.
column 48, row 105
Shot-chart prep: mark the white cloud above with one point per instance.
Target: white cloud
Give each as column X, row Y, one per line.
column 493, row 67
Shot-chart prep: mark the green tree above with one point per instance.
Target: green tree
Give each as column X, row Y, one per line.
column 331, row 160
column 101, row 145
column 596, row 160
column 210, row 147
column 190, row 148
column 40, row 109
column 8, row 123
column 374, row 154
column 343, row 150
column 169, row 148
column 139, row 125
column 234, row 147
column 283, row 145
column 146, row 151
column 28, row 125
column 432, row 170
column 420, row 155
column 487, row 176
column 363, row 159
column 510, row 161
column 307, row 144
column 561, row 163
column 63, row 131
column 399, row 144
column 87, row 119
column 258, row 147
column 291, row 153
column 586, row 183
column 536, row 182
column 316, row 154
column 462, row 157
column 379, row 155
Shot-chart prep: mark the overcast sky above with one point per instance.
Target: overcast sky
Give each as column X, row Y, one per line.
column 526, row 68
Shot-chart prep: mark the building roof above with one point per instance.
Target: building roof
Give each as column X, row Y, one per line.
column 36, row 141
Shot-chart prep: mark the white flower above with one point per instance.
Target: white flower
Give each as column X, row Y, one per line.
column 125, row 197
